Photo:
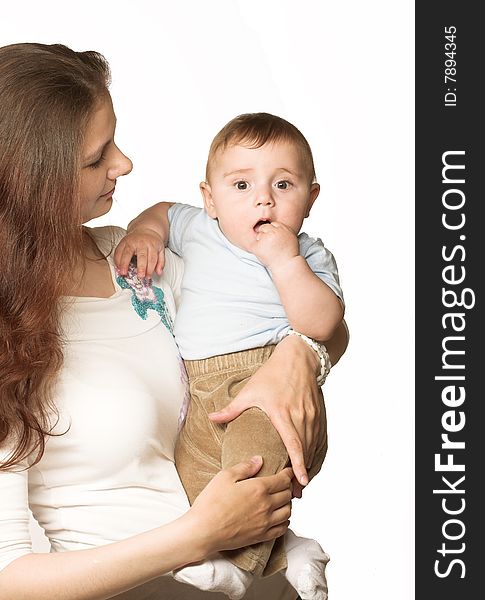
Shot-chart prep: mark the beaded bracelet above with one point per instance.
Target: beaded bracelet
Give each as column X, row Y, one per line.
column 320, row 349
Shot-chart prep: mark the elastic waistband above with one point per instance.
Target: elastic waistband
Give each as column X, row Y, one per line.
column 214, row 364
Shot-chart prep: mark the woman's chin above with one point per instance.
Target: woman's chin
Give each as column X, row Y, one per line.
column 102, row 207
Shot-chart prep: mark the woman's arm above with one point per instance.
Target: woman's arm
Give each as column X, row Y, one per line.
column 231, row 512
column 285, row 389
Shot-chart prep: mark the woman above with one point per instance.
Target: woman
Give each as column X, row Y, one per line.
column 90, row 385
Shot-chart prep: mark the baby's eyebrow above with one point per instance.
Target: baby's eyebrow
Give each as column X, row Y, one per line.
column 237, row 171
column 279, row 170
column 289, row 171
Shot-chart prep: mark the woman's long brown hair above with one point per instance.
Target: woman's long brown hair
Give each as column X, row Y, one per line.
column 47, row 94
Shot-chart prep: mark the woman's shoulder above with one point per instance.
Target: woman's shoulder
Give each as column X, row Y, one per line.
column 107, row 237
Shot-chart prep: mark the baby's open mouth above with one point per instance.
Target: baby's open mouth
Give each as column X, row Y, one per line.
column 259, row 223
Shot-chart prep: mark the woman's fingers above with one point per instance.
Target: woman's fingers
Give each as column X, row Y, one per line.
column 279, row 482
column 235, row 509
column 313, row 445
column 244, row 470
column 231, row 411
column 309, row 443
column 314, row 426
column 293, row 444
column 280, row 515
column 276, row 532
column 312, row 429
column 299, row 432
column 281, row 499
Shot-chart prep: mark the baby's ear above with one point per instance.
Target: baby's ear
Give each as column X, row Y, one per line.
column 206, row 192
column 314, row 191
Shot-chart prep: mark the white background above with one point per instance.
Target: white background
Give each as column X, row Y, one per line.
column 343, row 74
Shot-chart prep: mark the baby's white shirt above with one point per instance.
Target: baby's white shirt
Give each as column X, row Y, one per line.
column 228, row 301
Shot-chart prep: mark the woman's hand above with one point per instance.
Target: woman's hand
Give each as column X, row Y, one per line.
column 234, row 511
column 285, row 389
column 231, row 512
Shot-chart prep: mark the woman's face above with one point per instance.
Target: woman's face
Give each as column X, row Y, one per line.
column 102, row 162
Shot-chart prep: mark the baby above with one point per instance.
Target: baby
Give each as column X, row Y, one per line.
column 250, row 279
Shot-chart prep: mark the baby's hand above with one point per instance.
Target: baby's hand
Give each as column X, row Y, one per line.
column 147, row 246
column 275, row 245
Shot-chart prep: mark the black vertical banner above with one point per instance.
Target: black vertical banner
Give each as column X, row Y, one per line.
column 450, row 259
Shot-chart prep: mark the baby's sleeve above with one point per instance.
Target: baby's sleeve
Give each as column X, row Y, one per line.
column 172, row 275
column 180, row 218
column 321, row 262
column 15, row 539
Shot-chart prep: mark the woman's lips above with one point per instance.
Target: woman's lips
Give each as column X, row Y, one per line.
column 108, row 194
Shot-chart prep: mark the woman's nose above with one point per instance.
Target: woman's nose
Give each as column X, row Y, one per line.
column 122, row 165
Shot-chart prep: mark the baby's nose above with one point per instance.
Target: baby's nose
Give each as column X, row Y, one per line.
column 264, row 198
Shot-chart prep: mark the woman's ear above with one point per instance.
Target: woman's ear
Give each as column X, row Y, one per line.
column 314, row 191
column 206, row 192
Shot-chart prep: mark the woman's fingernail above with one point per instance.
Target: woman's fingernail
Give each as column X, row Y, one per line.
column 304, row 480
column 256, row 460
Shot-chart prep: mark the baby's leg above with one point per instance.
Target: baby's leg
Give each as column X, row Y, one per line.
column 198, row 460
column 204, row 448
column 198, row 449
column 249, row 434
column 306, row 567
column 305, row 561
column 253, row 433
column 216, row 575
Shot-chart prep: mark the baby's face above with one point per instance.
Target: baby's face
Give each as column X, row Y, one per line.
column 251, row 186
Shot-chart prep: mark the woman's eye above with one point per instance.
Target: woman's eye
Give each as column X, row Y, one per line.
column 96, row 164
column 242, row 185
column 283, row 185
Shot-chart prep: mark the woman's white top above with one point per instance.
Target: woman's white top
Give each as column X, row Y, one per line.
column 109, row 473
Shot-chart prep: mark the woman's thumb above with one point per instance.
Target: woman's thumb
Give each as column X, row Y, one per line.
column 245, row 469
column 227, row 414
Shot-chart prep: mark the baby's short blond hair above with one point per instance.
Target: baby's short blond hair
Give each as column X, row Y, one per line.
column 253, row 130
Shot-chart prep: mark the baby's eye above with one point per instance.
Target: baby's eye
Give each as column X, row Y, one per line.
column 241, row 185
column 283, row 185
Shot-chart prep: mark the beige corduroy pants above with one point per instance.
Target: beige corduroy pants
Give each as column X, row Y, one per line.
column 204, row 448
